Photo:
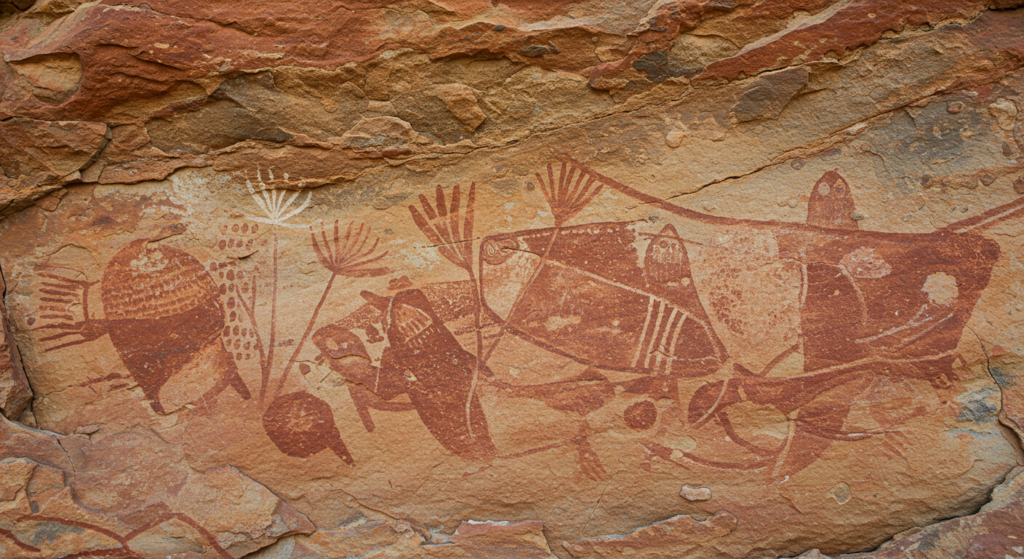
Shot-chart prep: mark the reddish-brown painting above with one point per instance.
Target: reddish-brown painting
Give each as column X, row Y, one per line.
column 871, row 306
column 162, row 311
column 639, row 312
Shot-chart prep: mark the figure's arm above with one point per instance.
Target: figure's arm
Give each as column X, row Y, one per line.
column 366, row 400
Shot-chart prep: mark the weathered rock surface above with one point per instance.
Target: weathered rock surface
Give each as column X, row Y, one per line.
column 484, row 278
column 15, row 392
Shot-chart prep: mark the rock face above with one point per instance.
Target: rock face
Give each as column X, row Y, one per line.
column 484, row 278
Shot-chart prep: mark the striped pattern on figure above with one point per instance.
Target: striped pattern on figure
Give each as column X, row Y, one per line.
column 585, row 293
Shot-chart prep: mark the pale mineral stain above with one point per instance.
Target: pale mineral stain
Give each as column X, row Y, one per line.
column 841, row 493
column 691, row 493
column 941, row 288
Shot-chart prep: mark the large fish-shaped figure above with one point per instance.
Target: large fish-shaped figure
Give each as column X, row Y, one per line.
column 847, row 298
column 586, row 292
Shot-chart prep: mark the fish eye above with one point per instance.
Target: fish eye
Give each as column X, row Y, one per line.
column 496, row 251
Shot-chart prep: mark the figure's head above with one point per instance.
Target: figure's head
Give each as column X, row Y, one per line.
column 831, row 203
column 507, row 265
column 666, row 261
column 335, row 342
column 344, row 352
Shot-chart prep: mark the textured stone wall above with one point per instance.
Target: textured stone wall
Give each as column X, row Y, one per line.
column 512, row 278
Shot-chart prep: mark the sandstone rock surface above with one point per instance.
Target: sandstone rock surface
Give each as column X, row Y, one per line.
column 495, row 278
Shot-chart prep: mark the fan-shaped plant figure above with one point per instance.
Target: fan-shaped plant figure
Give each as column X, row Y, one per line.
column 448, row 227
column 275, row 203
column 345, row 256
column 566, row 198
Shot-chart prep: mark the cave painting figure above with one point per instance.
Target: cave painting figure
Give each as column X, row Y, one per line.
column 831, row 204
column 865, row 297
column 871, row 309
column 424, row 368
column 612, row 312
column 301, row 425
column 424, row 360
column 871, row 304
column 162, row 313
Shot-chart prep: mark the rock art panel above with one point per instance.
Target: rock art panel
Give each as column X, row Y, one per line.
column 624, row 339
column 486, row 278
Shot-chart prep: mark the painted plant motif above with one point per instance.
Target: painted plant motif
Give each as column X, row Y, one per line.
column 301, row 424
column 164, row 312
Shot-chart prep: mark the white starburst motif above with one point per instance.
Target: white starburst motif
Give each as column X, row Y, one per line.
column 276, row 203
